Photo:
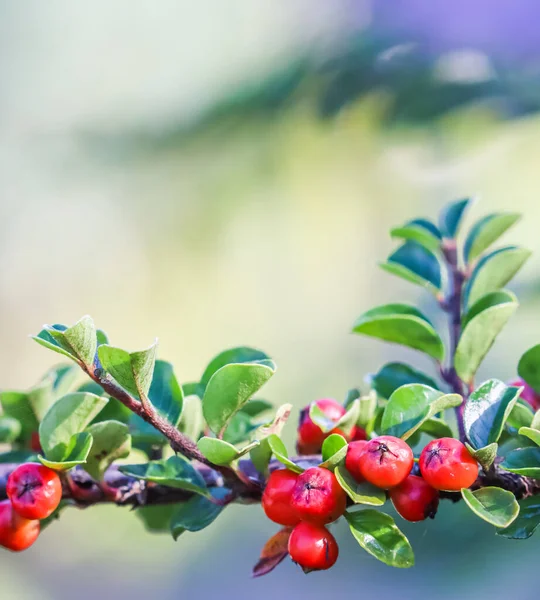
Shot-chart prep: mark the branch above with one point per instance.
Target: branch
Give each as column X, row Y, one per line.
column 452, row 305
column 178, row 441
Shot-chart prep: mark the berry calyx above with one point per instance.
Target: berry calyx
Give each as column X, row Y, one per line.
column 414, row 499
column 276, row 500
column 310, row 435
column 447, row 465
column 385, row 461
column 527, row 394
column 35, row 491
column 16, row 532
column 313, row 547
column 352, row 460
column 317, row 496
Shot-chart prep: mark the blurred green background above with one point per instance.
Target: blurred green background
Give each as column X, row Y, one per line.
column 225, row 173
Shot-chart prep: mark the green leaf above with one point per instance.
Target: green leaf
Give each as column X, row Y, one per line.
column 416, row 232
column 63, row 377
column 51, row 336
column 485, row 456
column 78, row 342
column 378, row 534
column 487, row 231
column 241, row 354
column 495, row 505
column 348, row 421
column 480, row 332
column 175, row 472
column 10, row 430
column 526, row 522
column 217, row 451
column 487, row 410
column 133, row 371
column 111, row 442
column 280, row 452
column 414, row 263
column 529, row 367
column 197, row 513
column 65, row 419
column 401, row 324
column 393, row 375
column 332, row 444
column 359, row 493
column 494, row 271
column 523, row 461
column 83, row 340
column 229, row 390
column 532, row 434
column 436, row 428
column 240, row 428
column 76, row 453
column 451, row 217
column 165, row 393
column 412, row 405
column 156, row 518
column 521, row 415
column 334, row 451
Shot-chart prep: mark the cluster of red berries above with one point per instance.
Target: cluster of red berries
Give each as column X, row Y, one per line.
column 309, row 501
column 34, row 492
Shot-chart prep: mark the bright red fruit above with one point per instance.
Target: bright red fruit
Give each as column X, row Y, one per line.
column 16, row 532
column 310, row 435
column 358, row 434
column 317, row 496
column 414, row 499
column 385, row 461
column 352, row 460
column 447, row 465
column 528, row 394
column 34, row 490
column 276, row 500
column 313, row 547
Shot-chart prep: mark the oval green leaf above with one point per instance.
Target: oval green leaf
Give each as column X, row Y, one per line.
column 494, row 271
column 401, row 324
column 523, row 461
column 480, row 333
column 486, row 231
column 527, row 521
column 532, row 434
column 229, row 390
column 217, row 451
column 451, row 217
column 417, row 232
column 412, row 405
column 378, row 534
column 394, row 375
column 496, row 506
column 165, row 393
column 111, row 442
column 280, row 452
column 421, row 263
column 529, row 367
column 487, row 410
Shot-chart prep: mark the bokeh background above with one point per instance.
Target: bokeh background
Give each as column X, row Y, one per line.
column 222, row 173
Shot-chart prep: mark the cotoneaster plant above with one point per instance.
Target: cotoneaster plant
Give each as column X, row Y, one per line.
column 118, row 427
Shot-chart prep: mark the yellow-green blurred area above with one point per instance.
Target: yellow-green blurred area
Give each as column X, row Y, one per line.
column 138, row 185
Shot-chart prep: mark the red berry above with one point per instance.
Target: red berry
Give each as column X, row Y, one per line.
column 317, row 496
column 16, row 532
column 313, row 547
column 528, row 394
column 414, row 499
column 34, row 490
column 310, row 435
column 447, row 465
column 385, row 461
column 276, row 500
column 352, row 463
column 358, row 434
